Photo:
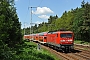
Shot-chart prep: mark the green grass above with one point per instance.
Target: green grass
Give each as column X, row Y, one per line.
column 29, row 52
column 77, row 41
column 81, row 42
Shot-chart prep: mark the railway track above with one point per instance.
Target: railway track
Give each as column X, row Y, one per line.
column 63, row 56
column 77, row 54
column 82, row 47
column 85, row 51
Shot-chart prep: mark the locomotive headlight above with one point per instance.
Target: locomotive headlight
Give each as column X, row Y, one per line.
column 62, row 40
column 70, row 40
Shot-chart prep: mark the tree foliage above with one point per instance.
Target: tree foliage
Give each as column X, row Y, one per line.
column 10, row 29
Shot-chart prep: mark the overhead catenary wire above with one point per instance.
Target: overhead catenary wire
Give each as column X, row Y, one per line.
column 27, row 12
column 40, row 3
column 34, row 7
column 29, row 2
column 38, row 17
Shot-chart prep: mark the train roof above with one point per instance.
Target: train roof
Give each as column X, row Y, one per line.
column 30, row 35
column 43, row 33
column 65, row 31
column 26, row 35
column 52, row 32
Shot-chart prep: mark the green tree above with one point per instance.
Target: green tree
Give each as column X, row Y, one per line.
column 10, row 29
column 86, row 22
column 81, row 23
column 52, row 18
column 77, row 22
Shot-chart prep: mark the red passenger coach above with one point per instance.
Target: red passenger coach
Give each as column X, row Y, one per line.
column 43, row 37
column 37, row 37
column 27, row 37
column 61, row 40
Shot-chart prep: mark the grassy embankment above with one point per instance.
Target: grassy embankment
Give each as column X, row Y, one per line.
column 81, row 42
column 29, row 52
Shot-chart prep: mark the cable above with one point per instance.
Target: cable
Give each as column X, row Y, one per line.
column 29, row 2
column 37, row 16
column 27, row 12
column 40, row 3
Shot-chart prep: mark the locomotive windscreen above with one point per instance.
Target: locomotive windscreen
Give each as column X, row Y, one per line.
column 66, row 35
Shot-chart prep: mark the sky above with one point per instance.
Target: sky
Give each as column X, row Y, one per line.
column 42, row 9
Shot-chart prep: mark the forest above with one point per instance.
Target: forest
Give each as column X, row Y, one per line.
column 10, row 30
column 76, row 20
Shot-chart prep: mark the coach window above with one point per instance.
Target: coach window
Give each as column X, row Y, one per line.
column 57, row 35
column 45, row 37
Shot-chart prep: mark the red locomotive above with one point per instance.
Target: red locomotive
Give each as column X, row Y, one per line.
column 63, row 40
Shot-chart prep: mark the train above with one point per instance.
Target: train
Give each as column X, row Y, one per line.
column 61, row 40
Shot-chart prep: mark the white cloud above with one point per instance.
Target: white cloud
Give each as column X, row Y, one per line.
column 43, row 10
column 38, row 22
column 43, row 16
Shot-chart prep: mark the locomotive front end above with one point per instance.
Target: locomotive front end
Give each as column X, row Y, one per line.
column 67, row 40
